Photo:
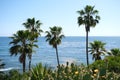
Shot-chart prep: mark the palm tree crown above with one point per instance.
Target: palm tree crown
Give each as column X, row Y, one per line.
column 96, row 49
column 88, row 17
column 114, row 52
column 33, row 26
column 54, row 36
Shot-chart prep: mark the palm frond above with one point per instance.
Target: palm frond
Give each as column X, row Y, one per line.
column 54, row 36
column 61, row 36
column 14, row 50
column 88, row 17
column 81, row 12
column 80, row 21
column 97, row 49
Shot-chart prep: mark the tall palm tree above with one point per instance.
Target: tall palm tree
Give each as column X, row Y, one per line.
column 20, row 45
column 114, row 52
column 34, row 27
column 97, row 48
column 89, row 18
column 54, row 37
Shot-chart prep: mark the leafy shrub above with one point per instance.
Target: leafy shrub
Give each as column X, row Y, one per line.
column 110, row 63
column 96, row 71
column 113, row 64
column 40, row 72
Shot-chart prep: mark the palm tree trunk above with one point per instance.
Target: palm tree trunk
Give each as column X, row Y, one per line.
column 57, row 60
column 30, row 62
column 87, row 48
column 30, row 57
column 24, row 62
column 57, row 56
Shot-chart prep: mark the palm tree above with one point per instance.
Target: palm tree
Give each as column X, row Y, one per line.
column 114, row 52
column 20, row 45
column 89, row 18
column 54, row 37
column 97, row 49
column 34, row 27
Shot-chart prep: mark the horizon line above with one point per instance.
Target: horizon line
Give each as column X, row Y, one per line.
column 80, row 36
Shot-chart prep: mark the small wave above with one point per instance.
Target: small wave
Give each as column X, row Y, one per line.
column 8, row 69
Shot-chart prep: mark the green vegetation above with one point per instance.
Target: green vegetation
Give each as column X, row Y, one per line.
column 24, row 41
column 97, row 49
column 97, row 71
column 114, row 52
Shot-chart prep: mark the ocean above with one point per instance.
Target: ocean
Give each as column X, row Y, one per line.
column 72, row 49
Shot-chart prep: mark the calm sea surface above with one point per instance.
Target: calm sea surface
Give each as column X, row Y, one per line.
column 72, row 49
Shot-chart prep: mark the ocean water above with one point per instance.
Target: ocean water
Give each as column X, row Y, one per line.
column 72, row 49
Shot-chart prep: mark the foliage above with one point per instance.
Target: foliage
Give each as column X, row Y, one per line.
column 113, row 63
column 88, row 17
column 99, row 64
column 74, row 72
column 40, row 72
column 54, row 36
column 110, row 63
column 14, row 75
column 114, row 52
column 33, row 25
column 66, row 72
column 97, row 48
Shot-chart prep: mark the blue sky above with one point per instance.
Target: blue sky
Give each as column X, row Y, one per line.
column 59, row 13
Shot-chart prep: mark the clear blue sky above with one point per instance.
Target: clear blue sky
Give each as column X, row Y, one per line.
column 59, row 13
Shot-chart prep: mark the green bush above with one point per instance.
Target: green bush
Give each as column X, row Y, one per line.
column 40, row 72
column 113, row 64
column 96, row 71
column 110, row 63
